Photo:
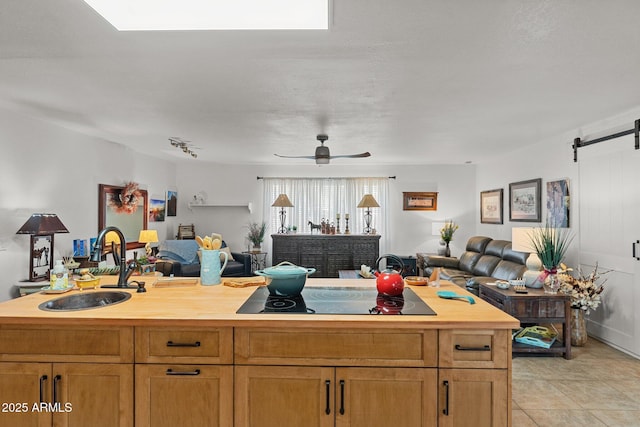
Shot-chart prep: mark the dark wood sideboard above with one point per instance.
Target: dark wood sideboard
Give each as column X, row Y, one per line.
column 327, row 253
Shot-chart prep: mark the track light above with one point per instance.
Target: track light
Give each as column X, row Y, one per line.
column 183, row 145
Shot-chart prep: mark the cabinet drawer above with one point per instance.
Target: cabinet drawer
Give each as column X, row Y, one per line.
column 66, row 344
column 188, row 345
column 336, row 347
column 475, row 348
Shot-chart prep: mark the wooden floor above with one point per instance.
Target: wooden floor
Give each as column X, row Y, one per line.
column 599, row 386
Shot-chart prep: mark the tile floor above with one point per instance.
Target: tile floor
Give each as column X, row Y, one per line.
column 599, row 386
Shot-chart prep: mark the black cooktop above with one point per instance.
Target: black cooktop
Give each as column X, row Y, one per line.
column 336, row 300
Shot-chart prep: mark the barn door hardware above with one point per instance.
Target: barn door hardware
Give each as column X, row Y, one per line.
column 634, row 251
column 578, row 143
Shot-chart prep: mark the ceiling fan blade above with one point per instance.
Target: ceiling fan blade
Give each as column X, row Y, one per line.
column 352, row 156
column 296, row 157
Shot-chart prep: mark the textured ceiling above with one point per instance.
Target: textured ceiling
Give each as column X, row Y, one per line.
column 411, row 81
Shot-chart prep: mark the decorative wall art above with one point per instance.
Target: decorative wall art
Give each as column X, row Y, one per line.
column 156, row 210
column 125, row 208
column 558, row 203
column 420, row 201
column 491, row 206
column 524, row 201
column 172, row 203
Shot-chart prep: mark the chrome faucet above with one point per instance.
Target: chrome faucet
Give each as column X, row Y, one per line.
column 125, row 270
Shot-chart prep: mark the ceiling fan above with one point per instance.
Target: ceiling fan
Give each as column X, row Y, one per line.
column 322, row 155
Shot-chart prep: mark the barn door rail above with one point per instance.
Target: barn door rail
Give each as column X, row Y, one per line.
column 578, row 143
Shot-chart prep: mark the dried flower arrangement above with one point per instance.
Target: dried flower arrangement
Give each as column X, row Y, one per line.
column 585, row 290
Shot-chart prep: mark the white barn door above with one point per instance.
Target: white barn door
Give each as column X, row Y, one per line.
column 609, row 212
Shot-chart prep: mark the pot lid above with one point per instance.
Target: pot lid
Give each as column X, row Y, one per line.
column 285, row 269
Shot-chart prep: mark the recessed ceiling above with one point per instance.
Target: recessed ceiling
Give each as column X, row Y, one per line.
column 410, row 81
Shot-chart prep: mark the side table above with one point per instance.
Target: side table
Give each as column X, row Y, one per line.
column 258, row 260
column 536, row 306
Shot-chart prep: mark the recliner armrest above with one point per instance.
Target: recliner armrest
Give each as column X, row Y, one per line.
column 245, row 259
column 168, row 267
column 441, row 261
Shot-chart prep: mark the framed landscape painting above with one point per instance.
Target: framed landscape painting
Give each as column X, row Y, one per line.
column 491, row 206
column 524, row 201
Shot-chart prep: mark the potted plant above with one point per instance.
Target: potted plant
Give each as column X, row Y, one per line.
column 256, row 234
column 551, row 245
column 446, row 235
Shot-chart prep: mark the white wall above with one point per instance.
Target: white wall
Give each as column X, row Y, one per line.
column 410, row 231
column 45, row 168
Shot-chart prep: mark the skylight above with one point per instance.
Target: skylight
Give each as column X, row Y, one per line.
column 148, row 15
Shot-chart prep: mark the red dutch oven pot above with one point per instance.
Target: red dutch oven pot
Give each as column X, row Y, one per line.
column 389, row 282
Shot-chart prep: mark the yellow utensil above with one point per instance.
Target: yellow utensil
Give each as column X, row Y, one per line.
column 199, row 241
column 206, row 243
column 216, row 244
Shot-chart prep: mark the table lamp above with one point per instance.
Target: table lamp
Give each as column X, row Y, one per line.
column 148, row 237
column 282, row 202
column 368, row 202
column 41, row 227
column 521, row 242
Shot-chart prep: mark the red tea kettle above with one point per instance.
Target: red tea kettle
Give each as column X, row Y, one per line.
column 389, row 282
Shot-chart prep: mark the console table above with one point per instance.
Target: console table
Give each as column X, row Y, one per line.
column 327, row 253
column 535, row 306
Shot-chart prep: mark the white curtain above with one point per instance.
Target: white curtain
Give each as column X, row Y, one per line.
column 315, row 199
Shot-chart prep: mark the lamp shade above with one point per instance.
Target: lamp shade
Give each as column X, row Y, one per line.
column 282, row 202
column 368, row 201
column 521, row 239
column 43, row 223
column 148, row 236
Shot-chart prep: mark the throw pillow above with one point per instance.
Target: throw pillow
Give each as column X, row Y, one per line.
column 228, row 251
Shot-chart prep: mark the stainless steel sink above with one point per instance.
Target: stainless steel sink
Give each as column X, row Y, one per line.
column 85, row 301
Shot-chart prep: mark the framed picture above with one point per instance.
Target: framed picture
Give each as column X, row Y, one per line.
column 491, row 206
column 156, row 210
column 172, row 203
column 558, row 203
column 125, row 208
column 420, row 201
column 524, row 201
column 41, row 257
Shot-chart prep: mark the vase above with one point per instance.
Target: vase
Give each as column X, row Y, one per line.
column 210, row 268
column 578, row 328
column 447, row 250
column 550, row 282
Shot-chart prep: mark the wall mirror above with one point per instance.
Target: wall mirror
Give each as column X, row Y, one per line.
column 125, row 208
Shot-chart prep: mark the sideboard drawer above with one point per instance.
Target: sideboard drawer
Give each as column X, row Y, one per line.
column 184, row 345
column 337, row 347
column 475, row 348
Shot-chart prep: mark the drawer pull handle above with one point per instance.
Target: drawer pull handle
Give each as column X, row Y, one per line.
column 484, row 348
column 183, row 344
column 327, row 385
column 56, row 380
column 446, row 397
column 341, row 397
column 43, row 379
column 190, row 373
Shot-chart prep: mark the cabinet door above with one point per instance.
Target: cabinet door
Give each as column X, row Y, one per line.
column 23, row 385
column 184, row 395
column 386, row 397
column 93, row 394
column 474, row 397
column 279, row 396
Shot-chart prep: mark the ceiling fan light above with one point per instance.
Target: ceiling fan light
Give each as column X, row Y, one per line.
column 322, row 160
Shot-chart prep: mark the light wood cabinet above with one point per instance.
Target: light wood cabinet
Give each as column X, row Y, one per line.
column 68, row 394
column 474, row 398
column 184, row 395
column 76, row 375
column 282, row 396
column 184, row 376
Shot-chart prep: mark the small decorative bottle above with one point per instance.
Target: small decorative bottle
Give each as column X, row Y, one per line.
column 59, row 276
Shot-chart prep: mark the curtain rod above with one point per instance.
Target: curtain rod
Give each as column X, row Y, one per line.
column 326, row 177
column 578, row 143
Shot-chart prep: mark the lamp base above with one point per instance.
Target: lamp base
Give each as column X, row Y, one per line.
column 534, row 268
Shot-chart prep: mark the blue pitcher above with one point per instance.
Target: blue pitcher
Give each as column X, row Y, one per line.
column 210, row 268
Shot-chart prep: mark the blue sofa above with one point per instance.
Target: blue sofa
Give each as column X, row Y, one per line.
column 180, row 258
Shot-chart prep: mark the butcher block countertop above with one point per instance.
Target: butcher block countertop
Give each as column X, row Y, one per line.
column 217, row 305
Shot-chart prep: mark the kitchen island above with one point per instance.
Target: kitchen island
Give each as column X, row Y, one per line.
column 182, row 356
